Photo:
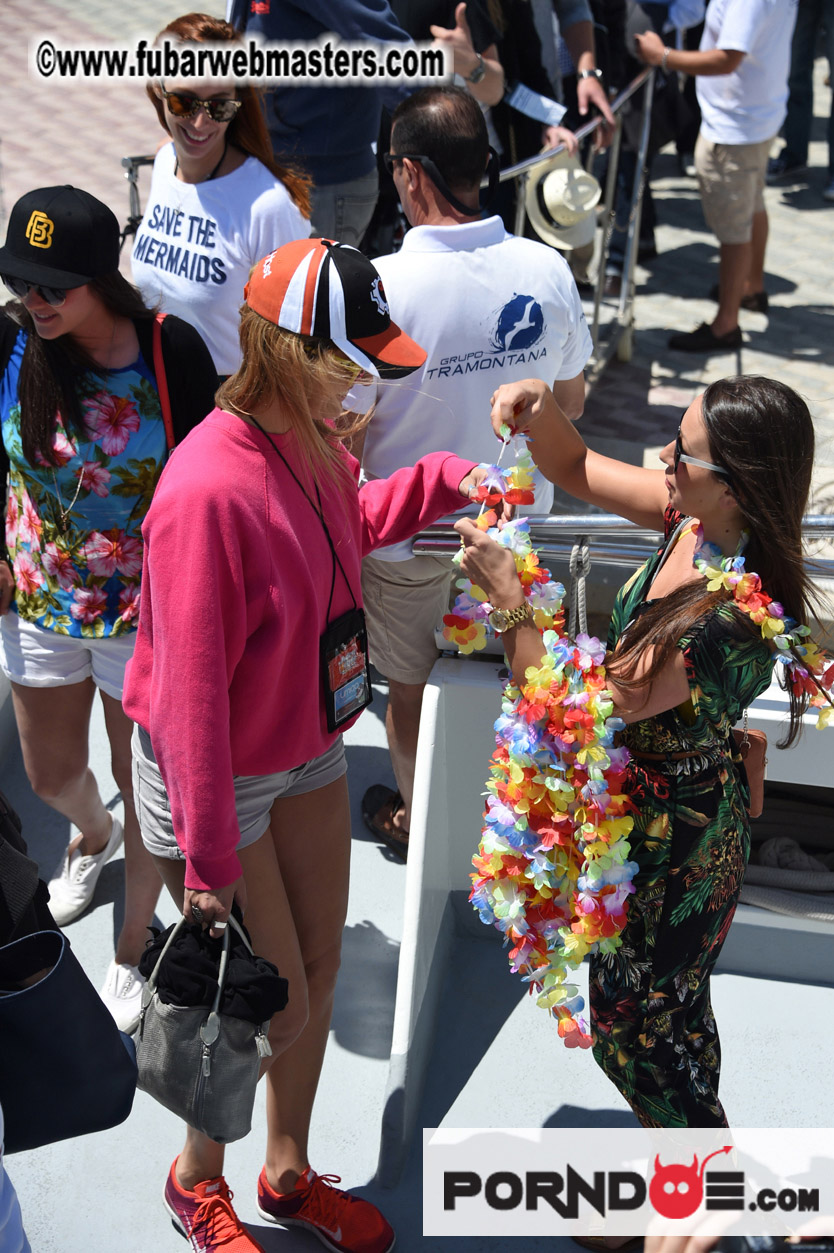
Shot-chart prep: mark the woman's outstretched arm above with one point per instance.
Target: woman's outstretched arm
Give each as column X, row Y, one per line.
column 563, row 456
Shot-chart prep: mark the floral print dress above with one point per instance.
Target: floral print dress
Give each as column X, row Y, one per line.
column 73, row 529
column 654, row 1030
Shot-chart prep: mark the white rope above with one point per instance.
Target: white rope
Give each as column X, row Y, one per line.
column 818, row 908
column 580, row 568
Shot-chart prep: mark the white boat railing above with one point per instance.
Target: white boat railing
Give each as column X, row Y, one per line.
column 614, row 541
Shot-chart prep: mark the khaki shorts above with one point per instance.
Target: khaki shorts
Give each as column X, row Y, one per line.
column 732, row 179
column 404, row 602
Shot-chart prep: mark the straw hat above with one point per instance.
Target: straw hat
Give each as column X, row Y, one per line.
column 561, row 198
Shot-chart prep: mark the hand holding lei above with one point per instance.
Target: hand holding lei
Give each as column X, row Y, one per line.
column 810, row 670
column 552, row 870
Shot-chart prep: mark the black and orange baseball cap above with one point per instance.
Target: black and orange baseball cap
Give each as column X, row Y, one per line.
column 326, row 290
column 60, row 236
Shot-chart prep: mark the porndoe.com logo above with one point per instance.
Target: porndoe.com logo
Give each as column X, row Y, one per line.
column 674, row 1190
column 562, row 1183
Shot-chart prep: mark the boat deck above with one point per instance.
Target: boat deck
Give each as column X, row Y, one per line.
column 103, row 1191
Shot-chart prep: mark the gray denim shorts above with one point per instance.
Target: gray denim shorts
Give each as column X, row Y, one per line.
column 254, row 794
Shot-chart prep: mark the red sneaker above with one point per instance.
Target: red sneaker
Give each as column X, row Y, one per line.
column 344, row 1223
column 206, row 1218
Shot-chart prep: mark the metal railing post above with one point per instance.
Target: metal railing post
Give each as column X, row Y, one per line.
column 521, row 170
column 608, row 225
column 636, row 206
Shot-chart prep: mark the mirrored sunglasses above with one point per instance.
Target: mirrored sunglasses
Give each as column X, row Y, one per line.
column 184, row 104
column 54, row 296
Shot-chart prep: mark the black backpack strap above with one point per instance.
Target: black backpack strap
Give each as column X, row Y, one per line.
column 192, row 378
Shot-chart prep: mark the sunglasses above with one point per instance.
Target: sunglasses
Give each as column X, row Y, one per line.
column 54, row 296
column 313, row 352
column 184, row 104
column 388, row 159
column 680, row 456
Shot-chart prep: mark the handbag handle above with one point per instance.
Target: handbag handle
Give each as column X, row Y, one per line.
column 150, row 986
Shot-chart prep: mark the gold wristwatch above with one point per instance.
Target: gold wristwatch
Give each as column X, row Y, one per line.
column 502, row 620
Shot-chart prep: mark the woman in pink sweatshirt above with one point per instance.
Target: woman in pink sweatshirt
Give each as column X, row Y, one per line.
column 250, row 662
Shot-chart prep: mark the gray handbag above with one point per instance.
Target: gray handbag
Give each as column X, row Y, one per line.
column 203, row 1066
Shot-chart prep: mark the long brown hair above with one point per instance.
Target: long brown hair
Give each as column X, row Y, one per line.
column 52, row 371
column 762, row 433
column 308, row 378
column 247, row 130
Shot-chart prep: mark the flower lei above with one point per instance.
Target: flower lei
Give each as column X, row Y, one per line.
column 810, row 670
column 552, row 870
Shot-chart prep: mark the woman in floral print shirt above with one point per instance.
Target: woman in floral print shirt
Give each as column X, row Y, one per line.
column 83, row 444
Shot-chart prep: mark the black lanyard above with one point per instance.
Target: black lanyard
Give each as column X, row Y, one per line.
column 319, row 512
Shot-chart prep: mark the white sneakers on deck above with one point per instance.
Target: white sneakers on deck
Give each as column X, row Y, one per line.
column 71, row 891
column 122, row 994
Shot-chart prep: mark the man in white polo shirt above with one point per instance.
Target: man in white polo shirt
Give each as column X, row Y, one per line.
column 742, row 70
column 488, row 308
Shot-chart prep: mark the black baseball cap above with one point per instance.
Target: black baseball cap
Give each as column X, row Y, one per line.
column 60, row 237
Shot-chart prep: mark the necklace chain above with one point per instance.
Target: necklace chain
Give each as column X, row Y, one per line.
column 213, row 174
column 65, row 513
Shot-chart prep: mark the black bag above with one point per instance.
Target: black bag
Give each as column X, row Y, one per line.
column 65, row 1068
column 23, row 895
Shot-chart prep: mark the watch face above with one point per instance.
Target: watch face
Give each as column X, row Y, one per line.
column 498, row 620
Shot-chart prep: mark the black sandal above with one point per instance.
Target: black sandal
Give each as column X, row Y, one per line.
column 379, row 805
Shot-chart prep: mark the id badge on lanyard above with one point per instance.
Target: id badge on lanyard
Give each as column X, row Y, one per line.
column 345, row 668
column 343, row 648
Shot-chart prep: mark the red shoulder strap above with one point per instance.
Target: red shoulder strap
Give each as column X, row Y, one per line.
column 162, row 381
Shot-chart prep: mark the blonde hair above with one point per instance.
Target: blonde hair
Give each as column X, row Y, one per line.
column 308, row 379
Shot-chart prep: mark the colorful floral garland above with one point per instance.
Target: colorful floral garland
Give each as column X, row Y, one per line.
column 810, row 670
column 552, row 870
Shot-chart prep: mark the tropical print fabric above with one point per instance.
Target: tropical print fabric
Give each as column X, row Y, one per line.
column 73, row 529
column 653, row 1026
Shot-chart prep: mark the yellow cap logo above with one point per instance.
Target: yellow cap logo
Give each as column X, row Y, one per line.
column 39, row 230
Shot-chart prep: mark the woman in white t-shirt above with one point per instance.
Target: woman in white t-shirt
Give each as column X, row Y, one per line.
column 218, row 202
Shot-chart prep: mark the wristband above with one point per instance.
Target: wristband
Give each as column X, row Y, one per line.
column 664, row 61
column 595, row 73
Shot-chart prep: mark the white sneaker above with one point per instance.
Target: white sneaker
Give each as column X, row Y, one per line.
column 72, row 890
column 122, row 994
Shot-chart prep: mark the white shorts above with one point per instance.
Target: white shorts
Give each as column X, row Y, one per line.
column 35, row 657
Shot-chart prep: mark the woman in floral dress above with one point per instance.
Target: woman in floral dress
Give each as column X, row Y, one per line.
column 83, row 444
column 685, row 661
